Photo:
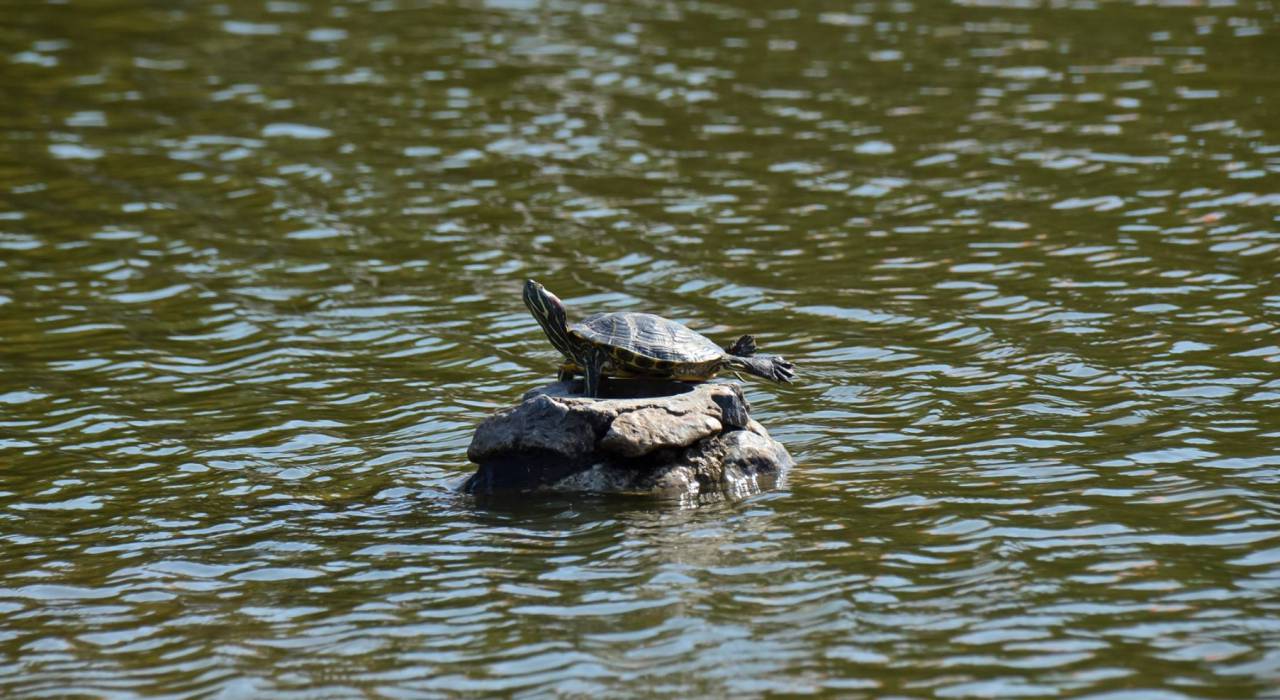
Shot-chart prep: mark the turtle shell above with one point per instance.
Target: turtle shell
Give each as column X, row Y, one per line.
column 648, row 336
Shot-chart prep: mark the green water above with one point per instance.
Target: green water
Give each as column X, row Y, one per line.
column 260, row 267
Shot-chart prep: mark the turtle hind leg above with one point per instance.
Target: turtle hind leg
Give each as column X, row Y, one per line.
column 743, row 347
column 769, row 367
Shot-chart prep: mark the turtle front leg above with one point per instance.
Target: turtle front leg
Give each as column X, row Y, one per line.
column 566, row 373
column 592, row 371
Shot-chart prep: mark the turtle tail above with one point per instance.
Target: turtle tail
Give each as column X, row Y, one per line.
column 770, row 367
column 743, row 347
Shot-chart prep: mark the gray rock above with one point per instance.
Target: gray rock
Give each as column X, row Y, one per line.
column 637, row 433
column 664, row 439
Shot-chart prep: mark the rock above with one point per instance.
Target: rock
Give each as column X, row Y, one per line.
column 644, row 430
column 664, row 439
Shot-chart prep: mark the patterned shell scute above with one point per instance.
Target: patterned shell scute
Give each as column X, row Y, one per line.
column 648, row 335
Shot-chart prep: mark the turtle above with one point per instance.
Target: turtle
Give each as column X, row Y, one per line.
column 627, row 344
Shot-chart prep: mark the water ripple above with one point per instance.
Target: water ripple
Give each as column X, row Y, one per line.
column 261, row 280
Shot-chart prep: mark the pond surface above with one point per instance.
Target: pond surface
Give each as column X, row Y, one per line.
column 260, row 268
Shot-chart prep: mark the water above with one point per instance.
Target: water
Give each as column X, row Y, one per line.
column 259, row 280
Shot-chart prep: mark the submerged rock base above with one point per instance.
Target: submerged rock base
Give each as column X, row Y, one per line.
column 663, row 439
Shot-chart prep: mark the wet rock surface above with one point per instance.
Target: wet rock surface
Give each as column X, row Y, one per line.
column 664, row 439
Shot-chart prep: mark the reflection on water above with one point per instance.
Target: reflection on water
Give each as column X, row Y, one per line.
column 259, row 280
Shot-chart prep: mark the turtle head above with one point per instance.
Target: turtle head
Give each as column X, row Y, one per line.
column 550, row 314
